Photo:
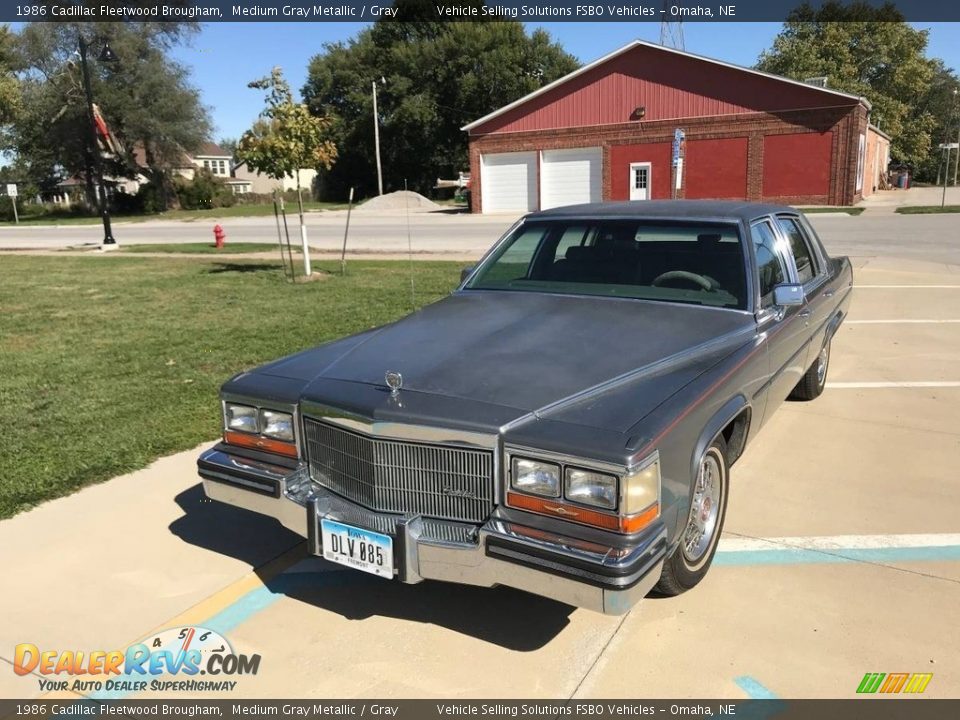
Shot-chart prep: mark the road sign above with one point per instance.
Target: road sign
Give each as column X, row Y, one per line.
column 11, row 190
column 950, row 146
column 678, row 143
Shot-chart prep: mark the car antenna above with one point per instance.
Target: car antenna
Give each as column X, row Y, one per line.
column 406, row 203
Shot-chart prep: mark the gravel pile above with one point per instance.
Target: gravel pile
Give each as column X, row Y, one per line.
column 400, row 200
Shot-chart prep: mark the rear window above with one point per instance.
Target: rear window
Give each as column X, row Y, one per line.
column 700, row 263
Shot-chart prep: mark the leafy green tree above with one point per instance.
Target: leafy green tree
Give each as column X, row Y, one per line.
column 285, row 139
column 943, row 104
column 432, row 78
column 230, row 145
column 9, row 89
column 146, row 98
column 868, row 51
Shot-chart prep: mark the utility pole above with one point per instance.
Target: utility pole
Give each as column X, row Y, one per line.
column 108, row 239
column 376, row 137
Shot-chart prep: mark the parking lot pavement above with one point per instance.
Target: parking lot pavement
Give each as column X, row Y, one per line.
column 840, row 556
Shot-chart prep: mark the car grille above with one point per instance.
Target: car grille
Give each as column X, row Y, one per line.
column 439, row 481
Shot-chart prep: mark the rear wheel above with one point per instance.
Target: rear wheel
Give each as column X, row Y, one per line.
column 815, row 379
column 698, row 542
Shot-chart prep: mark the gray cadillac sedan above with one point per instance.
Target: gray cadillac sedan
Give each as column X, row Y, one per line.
column 564, row 422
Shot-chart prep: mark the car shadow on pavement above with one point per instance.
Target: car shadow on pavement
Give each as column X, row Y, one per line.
column 247, row 536
column 502, row 616
column 509, row 618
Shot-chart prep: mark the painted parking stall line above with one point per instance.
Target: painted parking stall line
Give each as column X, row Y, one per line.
column 900, row 322
column 893, row 384
column 838, row 549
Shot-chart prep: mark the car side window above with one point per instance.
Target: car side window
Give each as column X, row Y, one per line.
column 514, row 263
column 573, row 236
column 802, row 254
column 769, row 262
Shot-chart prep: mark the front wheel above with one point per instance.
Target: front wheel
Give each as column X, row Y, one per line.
column 698, row 542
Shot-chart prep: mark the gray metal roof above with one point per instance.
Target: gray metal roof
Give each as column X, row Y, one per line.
column 693, row 209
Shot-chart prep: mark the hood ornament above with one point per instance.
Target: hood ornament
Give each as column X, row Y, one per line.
column 394, row 381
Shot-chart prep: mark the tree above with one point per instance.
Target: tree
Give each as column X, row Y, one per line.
column 286, row 138
column 943, row 104
column 146, row 99
column 438, row 76
column 9, row 88
column 230, row 145
column 868, row 51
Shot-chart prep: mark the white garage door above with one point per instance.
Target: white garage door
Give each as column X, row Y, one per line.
column 508, row 182
column 569, row 177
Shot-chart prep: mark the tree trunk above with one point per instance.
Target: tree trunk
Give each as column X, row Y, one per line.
column 303, row 229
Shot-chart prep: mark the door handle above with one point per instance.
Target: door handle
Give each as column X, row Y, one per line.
column 828, row 294
column 804, row 314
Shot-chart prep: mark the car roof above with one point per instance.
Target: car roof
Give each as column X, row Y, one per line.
column 672, row 209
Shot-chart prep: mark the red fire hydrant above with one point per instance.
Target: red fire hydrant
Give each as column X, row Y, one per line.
column 219, row 235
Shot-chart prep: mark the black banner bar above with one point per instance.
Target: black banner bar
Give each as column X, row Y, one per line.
column 445, row 10
column 873, row 708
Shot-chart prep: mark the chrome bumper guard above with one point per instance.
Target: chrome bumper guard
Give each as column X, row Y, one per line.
column 568, row 570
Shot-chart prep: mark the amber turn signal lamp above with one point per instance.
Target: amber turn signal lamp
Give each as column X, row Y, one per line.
column 260, row 443
column 584, row 516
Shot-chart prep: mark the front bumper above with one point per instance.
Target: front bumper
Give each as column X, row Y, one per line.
column 499, row 552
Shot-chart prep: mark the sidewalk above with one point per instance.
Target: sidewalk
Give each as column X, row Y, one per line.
column 100, row 568
column 887, row 201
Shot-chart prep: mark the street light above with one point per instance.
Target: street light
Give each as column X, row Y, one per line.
column 108, row 56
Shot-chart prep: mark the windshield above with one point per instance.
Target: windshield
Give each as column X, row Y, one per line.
column 650, row 260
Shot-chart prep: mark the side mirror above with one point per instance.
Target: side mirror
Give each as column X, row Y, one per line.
column 787, row 295
column 465, row 273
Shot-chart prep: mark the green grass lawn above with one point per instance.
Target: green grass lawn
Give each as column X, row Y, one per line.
column 210, row 249
column 927, row 209
column 187, row 215
column 109, row 363
column 820, row 209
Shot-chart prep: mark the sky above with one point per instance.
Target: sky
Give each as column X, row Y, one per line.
column 224, row 57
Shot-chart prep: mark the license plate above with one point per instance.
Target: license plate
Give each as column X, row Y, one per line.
column 357, row 548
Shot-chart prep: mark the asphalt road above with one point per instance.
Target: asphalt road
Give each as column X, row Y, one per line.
column 840, row 556
column 876, row 233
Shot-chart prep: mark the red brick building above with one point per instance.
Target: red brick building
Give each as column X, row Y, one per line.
column 606, row 132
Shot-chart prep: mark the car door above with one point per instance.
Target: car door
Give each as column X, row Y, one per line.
column 783, row 328
column 812, row 272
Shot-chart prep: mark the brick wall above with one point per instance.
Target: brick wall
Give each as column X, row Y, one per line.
column 844, row 122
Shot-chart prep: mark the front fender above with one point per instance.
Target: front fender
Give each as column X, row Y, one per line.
column 714, row 426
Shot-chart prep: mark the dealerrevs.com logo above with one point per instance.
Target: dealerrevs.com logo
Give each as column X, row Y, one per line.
column 170, row 661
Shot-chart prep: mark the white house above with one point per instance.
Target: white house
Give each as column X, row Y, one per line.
column 210, row 156
column 245, row 180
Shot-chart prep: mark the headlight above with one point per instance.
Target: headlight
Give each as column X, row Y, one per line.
column 241, row 417
column 590, row 488
column 641, row 489
column 278, row 425
column 536, row 477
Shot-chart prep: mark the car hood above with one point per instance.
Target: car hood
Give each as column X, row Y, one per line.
column 527, row 351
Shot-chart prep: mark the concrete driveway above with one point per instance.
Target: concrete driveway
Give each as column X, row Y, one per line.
column 840, row 556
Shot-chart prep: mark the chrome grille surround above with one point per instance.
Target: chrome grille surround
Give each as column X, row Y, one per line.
column 447, row 480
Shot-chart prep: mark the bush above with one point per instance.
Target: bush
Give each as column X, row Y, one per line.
column 205, row 191
column 126, row 203
column 34, row 210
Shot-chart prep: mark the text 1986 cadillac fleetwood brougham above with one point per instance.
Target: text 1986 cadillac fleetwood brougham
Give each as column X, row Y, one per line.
column 564, row 422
